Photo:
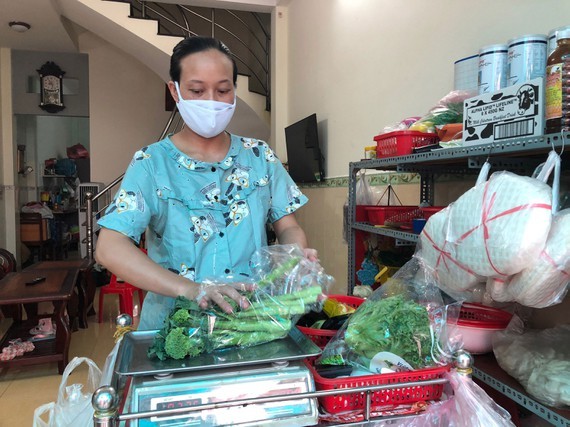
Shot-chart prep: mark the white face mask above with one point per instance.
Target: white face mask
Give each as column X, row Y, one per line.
column 207, row 118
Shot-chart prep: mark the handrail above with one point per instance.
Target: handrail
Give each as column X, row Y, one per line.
column 162, row 13
column 90, row 198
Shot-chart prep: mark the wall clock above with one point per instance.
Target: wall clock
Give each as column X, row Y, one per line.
column 51, row 87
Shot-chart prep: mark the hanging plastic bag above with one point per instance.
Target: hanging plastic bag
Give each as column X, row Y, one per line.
column 495, row 230
column 402, row 326
column 363, row 196
column 73, row 405
column 539, row 360
column 467, row 406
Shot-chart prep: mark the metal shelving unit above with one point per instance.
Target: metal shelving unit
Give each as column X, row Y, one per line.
column 487, row 370
column 515, row 154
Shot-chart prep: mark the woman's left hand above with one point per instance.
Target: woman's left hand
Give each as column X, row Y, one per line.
column 311, row 254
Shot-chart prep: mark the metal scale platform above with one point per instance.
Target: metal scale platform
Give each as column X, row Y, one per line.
column 271, row 369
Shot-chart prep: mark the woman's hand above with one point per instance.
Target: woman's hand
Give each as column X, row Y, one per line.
column 214, row 293
column 311, row 254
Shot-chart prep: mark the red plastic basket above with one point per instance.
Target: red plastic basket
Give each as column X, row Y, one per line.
column 321, row 337
column 402, row 142
column 393, row 397
column 378, row 215
column 481, row 316
column 404, row 219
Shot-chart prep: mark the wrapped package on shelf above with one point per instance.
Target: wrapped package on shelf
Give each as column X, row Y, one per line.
column 493, row 231
column 538, row 359
column 545, row 282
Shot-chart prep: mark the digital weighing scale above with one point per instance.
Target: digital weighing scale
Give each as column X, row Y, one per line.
column 271, row 369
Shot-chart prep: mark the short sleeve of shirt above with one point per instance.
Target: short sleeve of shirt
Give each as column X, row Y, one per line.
column 130, row 211
column 286, row 197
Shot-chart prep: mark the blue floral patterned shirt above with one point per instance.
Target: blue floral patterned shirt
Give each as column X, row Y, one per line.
column 205, row 220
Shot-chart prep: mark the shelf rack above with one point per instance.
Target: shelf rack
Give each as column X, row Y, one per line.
column 461, row 160
column 487, row 370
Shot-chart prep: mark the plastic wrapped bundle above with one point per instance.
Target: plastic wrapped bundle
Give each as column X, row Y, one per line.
column 288, row 285
column 500, row 227
column 545, row 283
column 436, row 251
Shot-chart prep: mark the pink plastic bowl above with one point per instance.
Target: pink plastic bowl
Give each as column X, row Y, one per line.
column 478, row 323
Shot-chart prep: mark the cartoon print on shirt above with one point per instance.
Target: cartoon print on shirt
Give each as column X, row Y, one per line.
column 269, row 154
column 212, row 193
column 228, row 162
column 263, row 181
column 127, row 201
column 294, row 196
column 238, row 179
column 204, row 227
column 140, row 155
column 185, row 271
column 238, row 211
column 251, row 144
column 188, row 163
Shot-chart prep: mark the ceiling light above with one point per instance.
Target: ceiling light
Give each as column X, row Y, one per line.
column 19, row 26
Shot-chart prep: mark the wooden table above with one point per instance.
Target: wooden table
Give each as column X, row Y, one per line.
column 85, row 285
column 57, row 289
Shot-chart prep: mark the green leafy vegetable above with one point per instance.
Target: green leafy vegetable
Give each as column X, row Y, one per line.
column 394, row 325
column 189, row 330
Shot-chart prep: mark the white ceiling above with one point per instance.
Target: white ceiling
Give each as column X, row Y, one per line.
column 47, row 33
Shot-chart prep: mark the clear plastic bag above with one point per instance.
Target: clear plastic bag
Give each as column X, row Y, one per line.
column 364, row 196
column 288, row 286
column 448, row 110
column 494, row 230
column 73, row 405
column 467, row 406
column 539, row 360
column 402, row 326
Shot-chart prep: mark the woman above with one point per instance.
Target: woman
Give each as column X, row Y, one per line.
column 205, row 195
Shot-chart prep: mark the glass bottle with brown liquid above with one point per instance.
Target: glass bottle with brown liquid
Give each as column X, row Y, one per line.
column 554, row 65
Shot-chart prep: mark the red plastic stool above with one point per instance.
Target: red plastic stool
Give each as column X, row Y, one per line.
column 125, row 291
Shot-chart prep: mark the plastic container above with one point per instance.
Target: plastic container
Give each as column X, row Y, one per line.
column 477, row 323
column 402, row 218
column 402, row 142
column 397, row 396
column 321, row 337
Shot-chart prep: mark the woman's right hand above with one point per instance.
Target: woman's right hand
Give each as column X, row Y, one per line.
column 214, row 293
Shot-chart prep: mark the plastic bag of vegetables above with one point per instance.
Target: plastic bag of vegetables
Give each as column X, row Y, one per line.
column 401, row 326
column 288, row 285
column 538, row 359
column 448, row 110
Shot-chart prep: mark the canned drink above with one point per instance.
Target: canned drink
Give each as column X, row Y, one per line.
column 492, row 68
column 526, row 58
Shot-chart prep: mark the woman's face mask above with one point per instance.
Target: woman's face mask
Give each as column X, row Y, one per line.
column 207, row 118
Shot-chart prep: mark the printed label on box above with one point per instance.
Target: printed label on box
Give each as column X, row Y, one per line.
column 515, row 111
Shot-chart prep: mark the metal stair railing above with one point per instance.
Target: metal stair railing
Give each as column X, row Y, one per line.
column 249, row 42
column 173, row 124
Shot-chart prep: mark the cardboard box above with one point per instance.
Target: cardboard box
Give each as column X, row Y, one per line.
column 513, row 112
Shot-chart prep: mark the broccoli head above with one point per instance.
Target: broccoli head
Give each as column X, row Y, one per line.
column 178, row 344
column 180, row 318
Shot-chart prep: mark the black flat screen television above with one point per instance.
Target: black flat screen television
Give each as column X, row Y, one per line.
column 304, row 157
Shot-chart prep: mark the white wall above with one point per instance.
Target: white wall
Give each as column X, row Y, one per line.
column 126, row 105
column 363, row 64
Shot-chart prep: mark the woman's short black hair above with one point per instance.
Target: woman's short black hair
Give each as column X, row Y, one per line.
column 196, row 44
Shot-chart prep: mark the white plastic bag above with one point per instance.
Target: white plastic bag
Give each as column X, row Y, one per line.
column 73, row 405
